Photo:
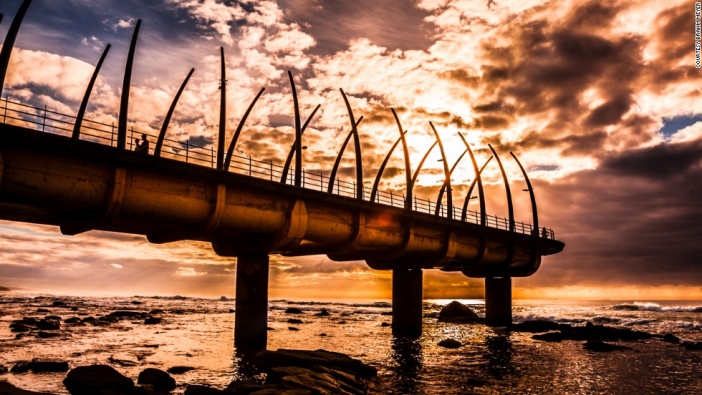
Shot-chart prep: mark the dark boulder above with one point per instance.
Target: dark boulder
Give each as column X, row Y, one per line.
column 670, row 338
column 600, row 346
column 267, row 360
column 692, row 346
column 52, row 318
column 159, row 379
column 119, row 314
column 202, row 390
column 46, row 335
column 385, row 324
column 450, row 343
column 457, row 312
column 48, row 324
column 152, row 321
column 323, row 313
column 593, row 332
column 550, row 337
column 43, row 311
column 294, row 321
column 179, row 369
column 72, row 320
column 20, row 367
column 293, row 310
column 292, row 328
column 19, row 328
column 58, row 303
column 39, row 366
column 91, row 380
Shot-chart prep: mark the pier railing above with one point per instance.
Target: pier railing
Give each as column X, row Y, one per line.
column 43, row 119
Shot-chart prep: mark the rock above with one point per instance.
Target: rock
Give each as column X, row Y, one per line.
column 43, row 311
column 549, row 337
column 318, row 383
column 152, row 321
column 600, row 346
column 72, row 320
column 457, row 312
column 292, row 328
column 159, row 379
column 593, row 332
column 156, row 311
column 450, row 343
column 48, row 325
column 3, row 369
column 58, row 303
column 46, row 335
column 670, row 338
column 691, row 346
column 293, row 310
column 39, row 366
column 294, row 321
column 90, row 380
column 119, row 314
column 19, row 328
column 124, row 359
column 9, row 389
column 20, row 367
column 323, row 334
column 537, row 326
column 179, row 369
column 201, row 390
column 52, row 318
column 135, row 302
column 323, row 313
column 89, row 319
column 385, row 324
column 267, row 360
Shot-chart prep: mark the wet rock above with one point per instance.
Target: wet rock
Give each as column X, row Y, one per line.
column 267, row 360
column 52, row 318
column 201, row 390
column 72, row 320
column 670, row 338
column 88, row 319
column 91, row 380
column 385, row 324
column 292, row 328
column 39, row 366
column 593, row 332
column 124, row 359
column 179, row 369
column 537, row 326
column 156, row 311
column 9, row 389
column 135, row 302
column 473, row 382
column 159, row 379
column 58, row 303
column 43, row 311
column 692, row 346
column 19, row 328
column 450, row 343
column 294, row 321
column 119, row 314
column 152, row 321
column 550, row 337
column 600, row 346
column 457, row 312
column 48, row 325
column 323, row 334
column 46, row 335
column 20, row 367
column 293, row 310
column 323, row 313
column 3, row 369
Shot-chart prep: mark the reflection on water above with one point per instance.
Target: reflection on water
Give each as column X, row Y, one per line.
column 407, row 358
column 243, row 367
column 499, row 356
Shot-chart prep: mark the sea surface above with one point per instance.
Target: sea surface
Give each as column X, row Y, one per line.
column 198, row 332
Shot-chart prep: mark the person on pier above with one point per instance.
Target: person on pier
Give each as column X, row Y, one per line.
column 142, row 148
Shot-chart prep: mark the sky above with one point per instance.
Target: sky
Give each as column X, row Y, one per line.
column 599, row 100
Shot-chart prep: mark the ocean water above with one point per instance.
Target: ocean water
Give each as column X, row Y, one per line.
column 198, row 332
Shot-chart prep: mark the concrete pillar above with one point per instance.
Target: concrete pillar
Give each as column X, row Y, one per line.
column 251, row 316
column 498, row 301
column 407, row 303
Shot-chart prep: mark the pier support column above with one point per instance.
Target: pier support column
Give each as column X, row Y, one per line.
column 407, row 303
column 498, row 301
column 251, row 315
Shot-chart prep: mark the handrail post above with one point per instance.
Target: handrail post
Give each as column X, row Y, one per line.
column 131, row 138
column 338, row 186
column 187, row 149
column 4, row 115
column 354, row 189
column 321, row 182
column 212, row 155
column 249, row 165
column 392, row 202
column 43, row 122
column 271, row 170
column 112, row 134
column 303, row 177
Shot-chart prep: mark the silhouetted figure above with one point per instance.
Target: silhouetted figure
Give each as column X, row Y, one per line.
column 142, row 148
column 544, row 233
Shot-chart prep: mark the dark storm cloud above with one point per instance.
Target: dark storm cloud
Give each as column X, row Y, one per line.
column 634, row 220
column 335, row 23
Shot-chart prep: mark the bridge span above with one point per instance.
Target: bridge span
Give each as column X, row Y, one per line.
column 80, row 175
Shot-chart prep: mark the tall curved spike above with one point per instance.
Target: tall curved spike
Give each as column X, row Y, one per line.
column 222, row 111
column 531, row 196
column 332, row 176
column 298, row 135
column 124, row 102
column 382, row 168
column 1, row 17
column 86, row 97
column 447, row 175
column 288, row 160
column 239, row 127
column 510, row 208
column 408, row 167
column 167, row 120
column 483, row 214
column 357, row 148
column 10, row 41
column 443, row 187
column 464, row 212
column 421, row 162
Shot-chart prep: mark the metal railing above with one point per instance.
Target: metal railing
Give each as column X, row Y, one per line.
column 23, row 115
